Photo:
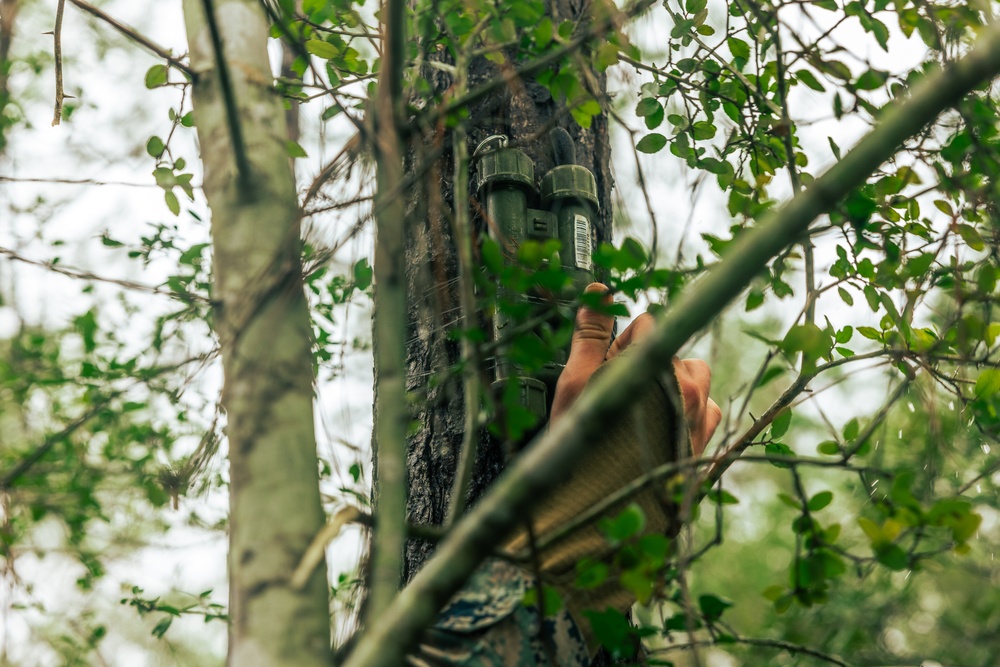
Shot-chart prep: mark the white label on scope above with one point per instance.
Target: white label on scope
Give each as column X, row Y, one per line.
column 584, row 245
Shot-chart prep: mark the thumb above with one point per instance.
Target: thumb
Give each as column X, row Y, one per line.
column 591, row 335
column 591, row 339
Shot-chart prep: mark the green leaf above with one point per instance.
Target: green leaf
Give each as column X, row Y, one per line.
column 789, row 501
column 971, row 237
column 156, row 76
column 590, row 574
column 988, row 383
column 321, row 49
column 651, row 143
column 722, row 497
column 712, row 606
column 162, row 626
column 820, row 500
column 656, row 547
column 612, row 630
column 871, row 80
column 777, row 449
column 543, row 32
column 870, row 333
column 965, row 527
column 755, row 299
column 492, row 257
column 774, row 592
column 294, row 150
column 655, row 119
column 834, row 148
column 630, row 522
column 363, row 274
column 172, row 203
column 703, row 130
column 808, row 78
column 780, row 424
column 829, row 447
column 893, row 557
column 155, row 146
column 851, row 429
column 606, row 56
column 770, row 374
column 647, row 106
column 944, row 207
column 738, row 48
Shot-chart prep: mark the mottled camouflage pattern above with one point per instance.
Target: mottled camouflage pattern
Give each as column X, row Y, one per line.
column 486, row 625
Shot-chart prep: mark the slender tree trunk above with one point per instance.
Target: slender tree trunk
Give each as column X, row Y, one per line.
column 262, row 321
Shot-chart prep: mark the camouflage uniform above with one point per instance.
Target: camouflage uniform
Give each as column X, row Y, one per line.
column 487, row 625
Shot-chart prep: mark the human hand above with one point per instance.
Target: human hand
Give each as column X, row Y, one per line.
column 592, row 347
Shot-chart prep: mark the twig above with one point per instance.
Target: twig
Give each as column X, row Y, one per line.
column 135, row 36
column 764, row 643
column 987, row 472
column 243, row 170
column 313, row 556
column 877, row 420
column 86, row 275
column 57, row 48
column 78, row 181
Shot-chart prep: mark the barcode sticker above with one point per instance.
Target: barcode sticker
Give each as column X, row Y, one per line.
column 584, row 245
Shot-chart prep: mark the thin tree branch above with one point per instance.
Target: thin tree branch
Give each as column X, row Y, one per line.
column 80, row 274
column 78, row 181
column 391, row 416
column 551, row 457
column 133, row 35
column 763, row 643
column 57, row 50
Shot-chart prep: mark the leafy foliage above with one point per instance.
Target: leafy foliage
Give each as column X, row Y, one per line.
column 887, row 307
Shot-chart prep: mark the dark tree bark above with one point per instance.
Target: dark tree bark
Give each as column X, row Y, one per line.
column 524, row 112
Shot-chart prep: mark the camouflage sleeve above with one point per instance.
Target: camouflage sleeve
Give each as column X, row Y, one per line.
column 486, row 625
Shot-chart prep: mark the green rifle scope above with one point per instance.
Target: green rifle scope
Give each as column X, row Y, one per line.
column 568, row 209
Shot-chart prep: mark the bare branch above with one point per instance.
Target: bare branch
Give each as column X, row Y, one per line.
column 57, row 49
column 80, row 274
column 133, row 35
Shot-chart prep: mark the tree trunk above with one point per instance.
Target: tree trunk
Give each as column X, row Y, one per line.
column 263, row 325
column 520, row 111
